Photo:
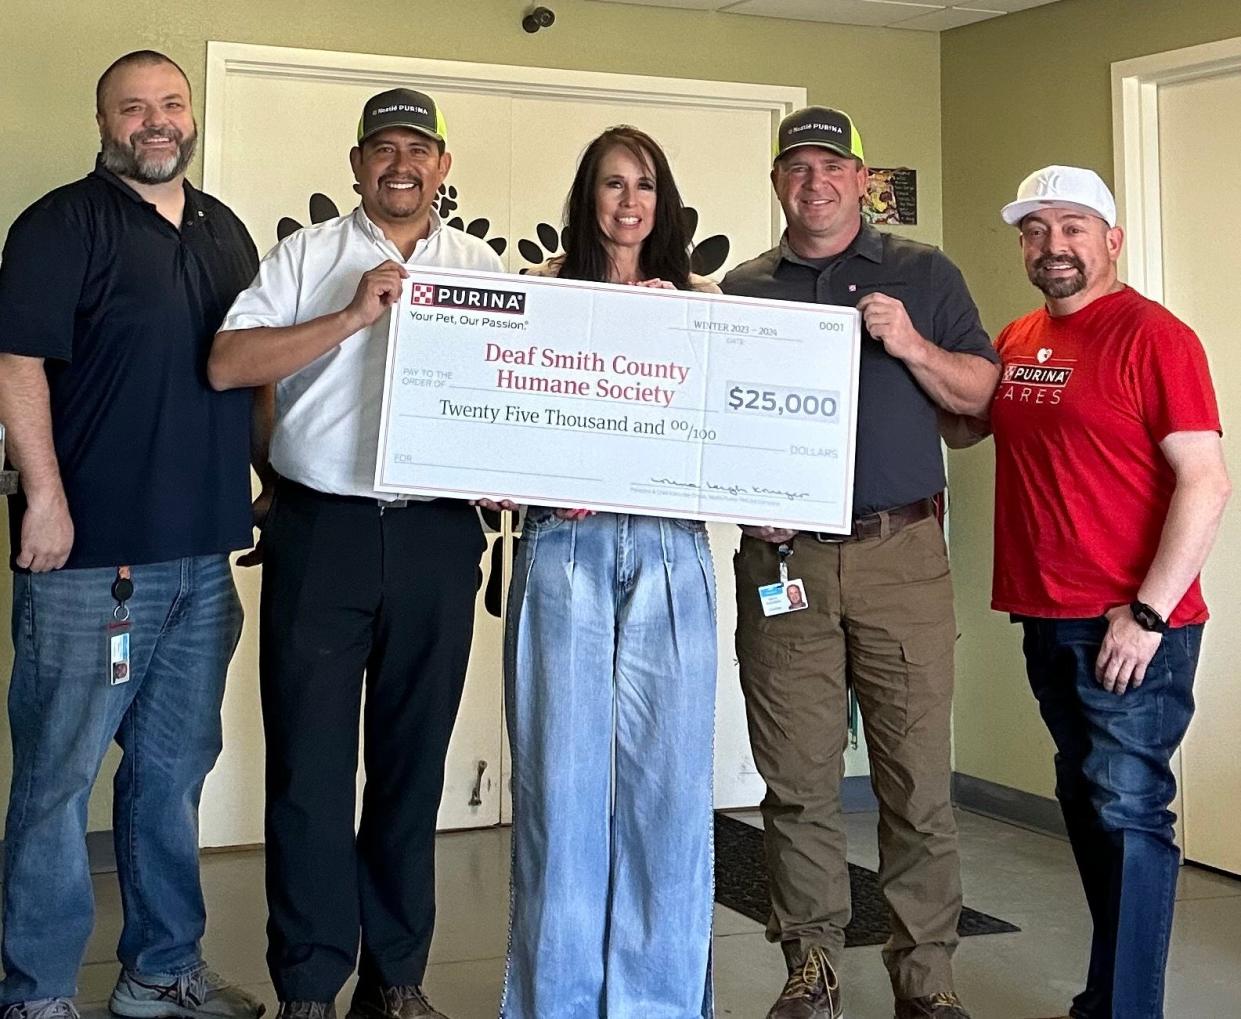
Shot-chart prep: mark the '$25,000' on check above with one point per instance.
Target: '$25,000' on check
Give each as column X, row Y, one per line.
column 630, row 399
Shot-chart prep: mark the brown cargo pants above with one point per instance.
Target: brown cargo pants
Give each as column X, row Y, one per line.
column 880, row 613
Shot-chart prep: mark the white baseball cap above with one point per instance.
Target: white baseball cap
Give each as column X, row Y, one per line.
column 1061, row 186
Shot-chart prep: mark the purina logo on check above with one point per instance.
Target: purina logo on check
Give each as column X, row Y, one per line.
column 437, row 295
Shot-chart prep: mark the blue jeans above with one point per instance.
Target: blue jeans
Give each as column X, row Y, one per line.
column 611, row 709
column 63, row 714
column 1114, row 784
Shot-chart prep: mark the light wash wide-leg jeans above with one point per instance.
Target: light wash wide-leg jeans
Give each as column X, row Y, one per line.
column 611, row 662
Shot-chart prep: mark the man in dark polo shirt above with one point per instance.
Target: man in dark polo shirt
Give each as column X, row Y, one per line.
column 879, row 599
column 135, row 487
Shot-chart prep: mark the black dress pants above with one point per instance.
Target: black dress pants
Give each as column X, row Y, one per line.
column 353, row 595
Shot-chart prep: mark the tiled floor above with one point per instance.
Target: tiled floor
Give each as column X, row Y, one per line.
column 1015, row 874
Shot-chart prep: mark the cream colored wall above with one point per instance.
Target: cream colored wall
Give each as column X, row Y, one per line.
column 1020, row 92
column 51, row 52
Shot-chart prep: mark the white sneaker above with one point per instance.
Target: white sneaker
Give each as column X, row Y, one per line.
column 201, row 994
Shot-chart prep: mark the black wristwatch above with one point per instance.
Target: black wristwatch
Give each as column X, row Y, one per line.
column 1147, row 617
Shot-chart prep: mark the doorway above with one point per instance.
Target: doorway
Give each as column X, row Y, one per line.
column 1181, row 199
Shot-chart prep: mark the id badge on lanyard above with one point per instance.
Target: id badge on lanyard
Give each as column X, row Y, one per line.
column 117, row 629
column 784, row 595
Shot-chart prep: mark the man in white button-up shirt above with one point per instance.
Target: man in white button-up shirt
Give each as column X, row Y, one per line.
column 354, row 584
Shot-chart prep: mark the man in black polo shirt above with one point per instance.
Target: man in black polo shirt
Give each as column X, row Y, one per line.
column 135, row 487
column 879, row 599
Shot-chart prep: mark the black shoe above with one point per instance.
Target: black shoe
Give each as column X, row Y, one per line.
column 812, row 991
column 944, row 1005
column 371, row 1002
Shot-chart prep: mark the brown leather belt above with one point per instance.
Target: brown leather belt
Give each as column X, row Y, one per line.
column 872, row 525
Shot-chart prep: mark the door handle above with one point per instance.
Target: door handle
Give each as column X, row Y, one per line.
column 476, row 799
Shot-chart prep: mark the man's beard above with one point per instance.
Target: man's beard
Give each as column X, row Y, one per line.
column 387, row 203
column 1058, row 287
column 122, row 158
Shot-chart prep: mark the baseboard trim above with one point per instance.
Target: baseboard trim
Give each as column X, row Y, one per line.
column 1026, row 810
column 857, row 795
column 101, row 851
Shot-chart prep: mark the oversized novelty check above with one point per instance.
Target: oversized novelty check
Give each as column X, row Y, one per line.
column 561, row 393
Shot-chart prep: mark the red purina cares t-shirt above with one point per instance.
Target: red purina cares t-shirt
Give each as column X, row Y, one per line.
column 1081, row 486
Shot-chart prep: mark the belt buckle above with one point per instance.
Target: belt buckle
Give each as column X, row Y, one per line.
column 387, row 504
column 823, row 538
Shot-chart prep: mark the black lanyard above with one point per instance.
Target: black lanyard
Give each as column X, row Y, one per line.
column 122, row 591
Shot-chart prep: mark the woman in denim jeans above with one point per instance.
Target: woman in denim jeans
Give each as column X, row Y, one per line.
column 610, row 690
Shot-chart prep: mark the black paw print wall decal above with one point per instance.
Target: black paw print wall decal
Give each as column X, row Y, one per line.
column 446, row 201
column 446, row 204
column 549, row 243
column 708, row 255
column 492, row 597
column 322, row 209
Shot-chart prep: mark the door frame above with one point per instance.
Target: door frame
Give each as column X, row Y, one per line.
column 1139, row 190
column 227, row 60
column 444, row 77
column 1135, row 140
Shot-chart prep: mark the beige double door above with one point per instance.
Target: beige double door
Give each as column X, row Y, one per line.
column 1200, row 150
column 273, row 139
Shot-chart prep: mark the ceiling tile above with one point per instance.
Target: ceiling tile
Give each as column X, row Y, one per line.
column 941, row 21
column 689, row 5
column 925, row 15
column 841, row 12
column 1007, row 6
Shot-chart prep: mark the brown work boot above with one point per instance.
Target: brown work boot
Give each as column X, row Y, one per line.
column 371, row 1002
column 812, row 991
column 944, row 1005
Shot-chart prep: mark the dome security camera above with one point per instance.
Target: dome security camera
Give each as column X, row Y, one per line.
column 539, row 17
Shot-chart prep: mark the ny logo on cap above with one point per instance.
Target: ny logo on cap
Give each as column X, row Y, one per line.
column 1049, row 184
column 422, row 293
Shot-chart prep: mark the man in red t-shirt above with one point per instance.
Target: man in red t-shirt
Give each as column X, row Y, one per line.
column 1110, row 483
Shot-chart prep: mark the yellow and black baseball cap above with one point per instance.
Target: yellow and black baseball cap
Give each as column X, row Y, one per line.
column 821, row 126
column 402, row 107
